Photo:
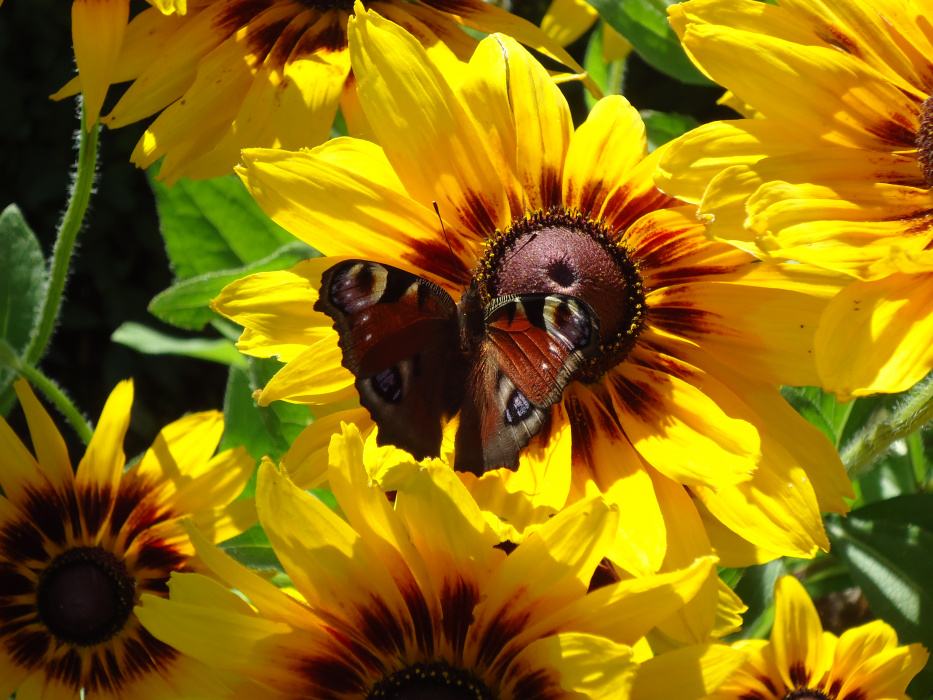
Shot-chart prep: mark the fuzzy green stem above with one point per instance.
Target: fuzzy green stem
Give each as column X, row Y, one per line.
column 65, row 243
column 61, row 401
column 915, row 411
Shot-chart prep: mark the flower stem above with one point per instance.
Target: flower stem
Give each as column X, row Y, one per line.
column 886, row 427
column 58, row 397
column 65, row 243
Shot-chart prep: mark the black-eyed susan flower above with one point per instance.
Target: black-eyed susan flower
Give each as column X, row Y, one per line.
column 231, row 74
column 677, row 420
column 79, row 548
column 803, row 662
column 837, row 171
column 416, row 600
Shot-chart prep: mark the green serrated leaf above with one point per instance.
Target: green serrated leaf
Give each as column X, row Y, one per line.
column 186, row 304
column 886, row 547
column 644, row 24
column 23, row 279
column 212, row 225
column 152, row 342
column 662, row 127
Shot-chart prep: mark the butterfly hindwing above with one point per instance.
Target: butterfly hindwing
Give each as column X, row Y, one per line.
column 533, row 346
column 399, row 337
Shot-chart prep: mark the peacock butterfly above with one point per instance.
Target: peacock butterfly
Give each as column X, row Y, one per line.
column 419, row 359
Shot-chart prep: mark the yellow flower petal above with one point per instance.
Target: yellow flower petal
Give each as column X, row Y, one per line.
column 311, row 192
column 47, row 441
column 544, row 126
column 681, row 431
column 315, row 377
column 288, row 107
column 683, row 674
column 333, row 567
column 103, row 462
column 306, row 460
column 399, row 86
column 811, row 90
column 97, row 30
column 875, row 336
column 279, row 305
column 603, row 151
column 691, row 162
column 566, row 20
column 582, row 664
column 797, row 635
column 604, row 455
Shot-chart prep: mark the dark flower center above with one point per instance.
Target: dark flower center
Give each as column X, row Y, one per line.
column 565, row 253
column 806, row 694
column 85, row 596
column 326, row 5
column 434, row 681
column 925, row 140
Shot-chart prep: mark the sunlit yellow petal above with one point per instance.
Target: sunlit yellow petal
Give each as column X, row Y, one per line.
column 315, row 377
column 47, row 441
column 682, row 674
column 306, row 460
column 102, row 464
column 97, row 29
column 398, row 85
column 566, row 20
column 797, row 635
column 875, row 336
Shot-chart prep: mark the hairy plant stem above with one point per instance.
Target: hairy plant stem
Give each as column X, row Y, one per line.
column 54, row 394
column 65, row 242
column 885, row 428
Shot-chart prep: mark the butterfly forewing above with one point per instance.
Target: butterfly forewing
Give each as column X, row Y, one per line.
column 534, row 343
column 399, row 337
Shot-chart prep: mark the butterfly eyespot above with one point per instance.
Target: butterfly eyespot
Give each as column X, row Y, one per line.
column 517, row 408
column 388, row 384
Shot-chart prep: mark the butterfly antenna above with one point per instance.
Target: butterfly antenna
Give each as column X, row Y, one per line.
column 439, row 218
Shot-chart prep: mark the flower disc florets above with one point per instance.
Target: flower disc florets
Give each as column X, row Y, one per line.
column 433, row 681
column 85, row 596
column 925, row 140
column 563, row 252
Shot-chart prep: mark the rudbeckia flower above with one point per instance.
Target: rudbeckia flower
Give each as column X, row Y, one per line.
column 417, row 600
column 803, row 662
column 230, row 74
column 677, row 418
column 78, row 549
column 836, row 172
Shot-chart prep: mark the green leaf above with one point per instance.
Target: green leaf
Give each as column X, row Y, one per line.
column 263, row 430
column 186, row 304
column 756, row 589
column 644, row 24
column 23, row 279
column 665, row 126
column 608, row 76
column 886, row 547
column 212, row 225
column 151, row 342
column 253, row 549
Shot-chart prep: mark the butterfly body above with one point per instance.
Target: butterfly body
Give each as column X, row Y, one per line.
column 419, row 359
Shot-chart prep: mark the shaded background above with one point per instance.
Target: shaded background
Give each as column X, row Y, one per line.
column 120, row 261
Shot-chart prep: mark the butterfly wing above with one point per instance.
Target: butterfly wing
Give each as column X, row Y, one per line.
column 533, row 346
column 399, row 336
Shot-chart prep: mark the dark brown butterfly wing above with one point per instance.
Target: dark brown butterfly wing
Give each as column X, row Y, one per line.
column 533, row 346
column 399, row 335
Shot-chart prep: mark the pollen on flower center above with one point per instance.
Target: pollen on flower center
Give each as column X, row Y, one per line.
column 565, row 253
column 925, row 140
column 325, row 5
column 432, row 681
column 85, row 596
column 806, row 694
